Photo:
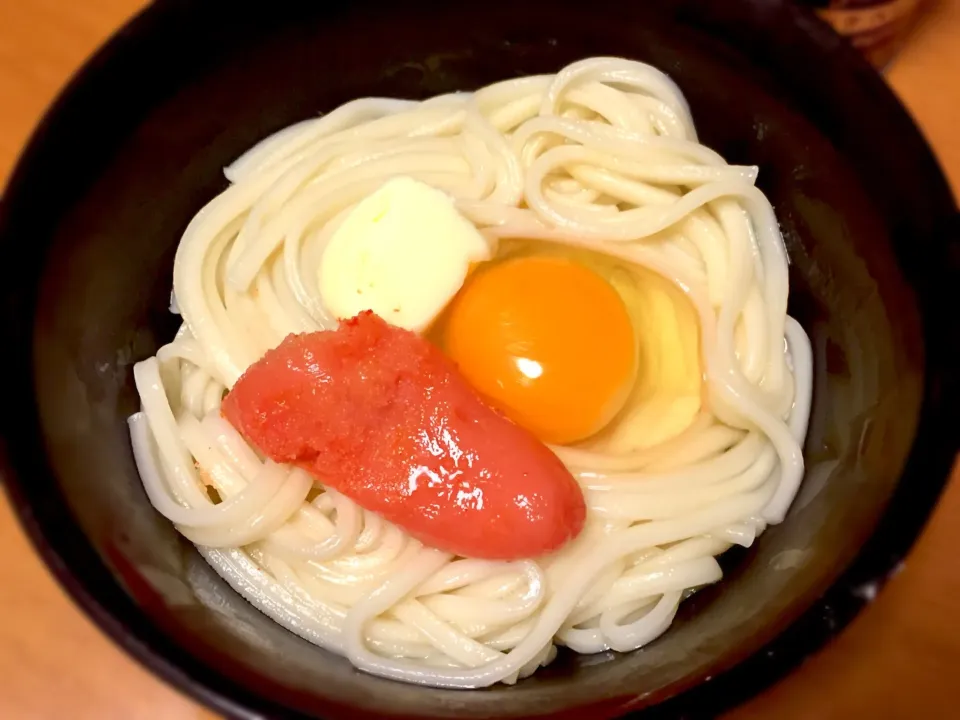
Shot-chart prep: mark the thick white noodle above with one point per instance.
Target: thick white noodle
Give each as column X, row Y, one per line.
column 603, row 156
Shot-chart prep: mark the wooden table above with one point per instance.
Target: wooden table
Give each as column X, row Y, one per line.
column 899, row 659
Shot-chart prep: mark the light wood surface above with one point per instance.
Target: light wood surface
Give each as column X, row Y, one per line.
column 899, row 659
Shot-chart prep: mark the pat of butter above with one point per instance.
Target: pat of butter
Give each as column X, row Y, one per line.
column 402, row 252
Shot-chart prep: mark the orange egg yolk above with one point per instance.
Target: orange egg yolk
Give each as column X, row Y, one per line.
column 548, row 341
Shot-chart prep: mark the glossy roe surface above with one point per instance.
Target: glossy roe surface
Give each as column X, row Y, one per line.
column 379, row 414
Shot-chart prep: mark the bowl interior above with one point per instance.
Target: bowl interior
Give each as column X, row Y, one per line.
column 137, row 147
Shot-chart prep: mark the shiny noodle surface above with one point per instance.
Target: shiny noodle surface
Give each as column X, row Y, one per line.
column 601, row 156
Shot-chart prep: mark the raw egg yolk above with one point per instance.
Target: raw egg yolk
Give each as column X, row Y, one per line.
column 548, row 341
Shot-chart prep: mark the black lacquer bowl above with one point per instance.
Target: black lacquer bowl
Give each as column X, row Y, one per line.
column 135, row 146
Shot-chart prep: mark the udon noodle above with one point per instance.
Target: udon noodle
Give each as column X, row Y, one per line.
column 602, row 156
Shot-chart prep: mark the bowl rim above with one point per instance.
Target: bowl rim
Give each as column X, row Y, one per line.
column 929, row 462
